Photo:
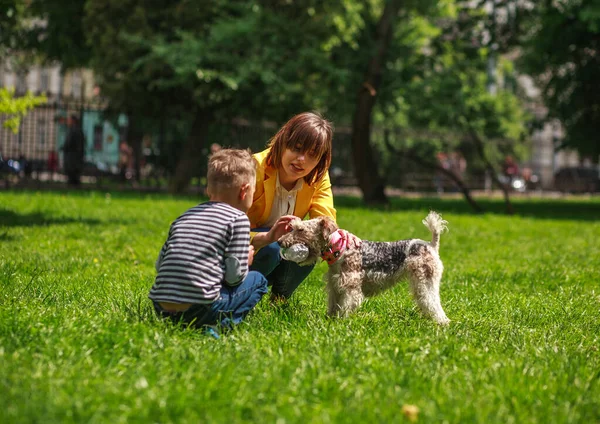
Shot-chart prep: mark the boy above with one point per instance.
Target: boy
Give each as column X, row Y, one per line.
column 202, row 269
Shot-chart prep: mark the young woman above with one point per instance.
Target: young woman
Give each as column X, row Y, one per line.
column 292, row 181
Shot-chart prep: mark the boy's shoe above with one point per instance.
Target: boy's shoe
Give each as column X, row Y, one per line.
column 212, row 332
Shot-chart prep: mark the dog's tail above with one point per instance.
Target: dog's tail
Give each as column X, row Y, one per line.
column 436, row 225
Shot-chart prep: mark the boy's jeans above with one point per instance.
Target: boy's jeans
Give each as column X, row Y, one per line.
column 284, row 276
column 229, row 309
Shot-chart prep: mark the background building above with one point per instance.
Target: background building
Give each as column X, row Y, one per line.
column 43, row 130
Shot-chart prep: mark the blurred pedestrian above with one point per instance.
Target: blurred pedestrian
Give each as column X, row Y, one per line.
column 74, row 151
column 52, row 163
column 510, row 169
column 458, row 166
column 214, row 148
column 440, row 178
column 125, row 161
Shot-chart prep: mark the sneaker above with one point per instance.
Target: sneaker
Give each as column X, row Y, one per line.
column 212, row 332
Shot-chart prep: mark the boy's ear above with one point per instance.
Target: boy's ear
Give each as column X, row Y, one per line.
column 244, row 191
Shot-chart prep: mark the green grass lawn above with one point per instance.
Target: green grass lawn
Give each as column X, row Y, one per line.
column 79, row 341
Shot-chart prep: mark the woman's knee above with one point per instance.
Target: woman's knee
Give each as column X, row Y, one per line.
column 271, row 251
column 267, row 259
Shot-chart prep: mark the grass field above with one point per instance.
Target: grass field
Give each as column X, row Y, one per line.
column 79, row 341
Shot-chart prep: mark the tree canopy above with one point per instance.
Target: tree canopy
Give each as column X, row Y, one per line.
column 561, row 48
column 423, row 66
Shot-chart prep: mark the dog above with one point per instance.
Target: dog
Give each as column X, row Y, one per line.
column 357, row 273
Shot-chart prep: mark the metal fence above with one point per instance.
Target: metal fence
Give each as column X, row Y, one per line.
column 43, row 129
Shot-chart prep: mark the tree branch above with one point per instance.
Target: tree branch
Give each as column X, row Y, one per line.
column 410, row 154
column 490, row 167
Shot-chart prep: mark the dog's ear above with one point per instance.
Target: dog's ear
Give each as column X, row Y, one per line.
column 328, row 226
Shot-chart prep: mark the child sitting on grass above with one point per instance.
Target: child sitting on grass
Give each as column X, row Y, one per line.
column 202, row 269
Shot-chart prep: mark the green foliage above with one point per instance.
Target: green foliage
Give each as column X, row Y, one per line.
column 441, row 92
column 116, row 30
column 79, row 341
column 13, row 109
column 43, row 31
column 63, row 36
column 561, row 48
column 249, row 61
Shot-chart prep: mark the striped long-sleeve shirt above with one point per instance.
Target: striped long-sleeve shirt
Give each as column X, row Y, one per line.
column 206, row 246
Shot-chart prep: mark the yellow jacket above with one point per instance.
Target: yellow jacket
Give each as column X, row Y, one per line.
column 315, row 200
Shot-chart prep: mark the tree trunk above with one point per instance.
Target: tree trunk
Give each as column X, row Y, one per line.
column 191, row 153
column 480, row 150
column 370, row 182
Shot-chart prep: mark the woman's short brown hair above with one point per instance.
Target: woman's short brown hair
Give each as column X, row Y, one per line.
column 309, row 132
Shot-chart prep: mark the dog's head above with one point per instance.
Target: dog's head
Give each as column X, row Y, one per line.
column 313, row 233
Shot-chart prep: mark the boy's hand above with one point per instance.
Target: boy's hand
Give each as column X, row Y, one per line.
column 281, row 227
column 250, row 255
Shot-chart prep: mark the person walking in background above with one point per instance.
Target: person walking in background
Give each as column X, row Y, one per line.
column 126, row 163
column 52, row 163
column 214, row 148
column 510, row 169
column 458, row 166
column 74, row 151
column 440, row 178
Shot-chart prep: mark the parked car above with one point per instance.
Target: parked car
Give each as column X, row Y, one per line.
column 577, row 180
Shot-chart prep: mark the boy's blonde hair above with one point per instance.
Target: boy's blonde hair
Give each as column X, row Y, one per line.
column 230, row 169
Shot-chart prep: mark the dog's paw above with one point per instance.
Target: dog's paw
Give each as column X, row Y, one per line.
column 443, row 322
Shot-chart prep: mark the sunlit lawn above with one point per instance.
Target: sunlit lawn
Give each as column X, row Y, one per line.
column 79, row 341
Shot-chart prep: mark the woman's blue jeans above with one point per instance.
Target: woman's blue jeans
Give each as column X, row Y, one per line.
column 284, row 276
column 228, row 310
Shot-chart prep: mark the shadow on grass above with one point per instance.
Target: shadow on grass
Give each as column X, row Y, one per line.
column 580, row 210
column 567, row 209
column 114, row 192
column 4, row 236
column 10, row 218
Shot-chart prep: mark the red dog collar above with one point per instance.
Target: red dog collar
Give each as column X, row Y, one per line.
column 336, row 246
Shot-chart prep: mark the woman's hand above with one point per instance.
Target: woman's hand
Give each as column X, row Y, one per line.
column 351, row 240
column 281, row 227
column 250, row 255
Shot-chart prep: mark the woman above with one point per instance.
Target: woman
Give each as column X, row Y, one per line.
column 292, row 181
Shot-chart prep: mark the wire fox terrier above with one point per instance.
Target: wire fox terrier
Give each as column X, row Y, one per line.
column 356, row 273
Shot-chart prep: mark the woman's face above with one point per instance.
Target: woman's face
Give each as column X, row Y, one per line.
column 295, row 165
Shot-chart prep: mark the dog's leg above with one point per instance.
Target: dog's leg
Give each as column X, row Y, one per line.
column 427, row 296
column 424, row 279
column 345, row 295
column 333, row 301
column 349, row 301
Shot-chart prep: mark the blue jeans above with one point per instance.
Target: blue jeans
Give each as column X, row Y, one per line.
column 284, row 276
column 228, row 310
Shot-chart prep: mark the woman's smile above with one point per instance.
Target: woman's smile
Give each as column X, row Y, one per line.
column 297, row 168
column 295, row 165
